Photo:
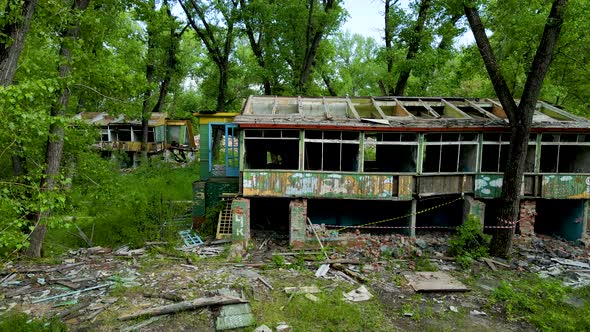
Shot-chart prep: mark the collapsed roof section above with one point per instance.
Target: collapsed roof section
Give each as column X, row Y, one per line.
column 104, row 119
column 394, row 113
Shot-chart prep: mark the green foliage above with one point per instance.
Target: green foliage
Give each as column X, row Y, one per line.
column 469, row 243
column 20, row 322
column 424, row 264
column 131, row 208
column 278, row 261
column 209, row 227
column 542, row 302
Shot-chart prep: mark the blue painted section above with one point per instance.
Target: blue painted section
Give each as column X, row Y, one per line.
column 190, row 238
column 232, row 152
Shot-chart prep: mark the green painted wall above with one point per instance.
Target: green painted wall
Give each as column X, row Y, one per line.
column 240, row 219
column 566, row 186
column 321, row 184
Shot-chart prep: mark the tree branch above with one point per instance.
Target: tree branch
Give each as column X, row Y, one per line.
column 543, row 56
column 489, row 59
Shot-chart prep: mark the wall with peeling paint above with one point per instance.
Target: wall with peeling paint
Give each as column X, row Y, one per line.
column 326, row 185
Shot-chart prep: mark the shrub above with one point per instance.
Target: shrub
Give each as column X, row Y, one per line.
column 469, row 243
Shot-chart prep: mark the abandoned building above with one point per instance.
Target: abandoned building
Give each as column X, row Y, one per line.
column 172, row 138
column 386, row 164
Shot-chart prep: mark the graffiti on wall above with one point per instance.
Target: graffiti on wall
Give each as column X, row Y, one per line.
column 566, row 186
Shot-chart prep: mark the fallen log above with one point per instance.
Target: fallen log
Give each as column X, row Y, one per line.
column 184, row 306
column 357, row 276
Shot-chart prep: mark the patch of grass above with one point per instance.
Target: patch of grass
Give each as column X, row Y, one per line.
column 424, row 264
column 278, row 261
column 330, row 313
column 20, row 322
column 542, row 302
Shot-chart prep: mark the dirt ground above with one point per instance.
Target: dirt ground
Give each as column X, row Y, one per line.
column 90, row 289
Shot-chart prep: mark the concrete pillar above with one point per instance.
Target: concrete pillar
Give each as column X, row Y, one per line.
column 240, row 209
column 297, row 222
column 474, row 207
column 528, row 211
column 413, row 219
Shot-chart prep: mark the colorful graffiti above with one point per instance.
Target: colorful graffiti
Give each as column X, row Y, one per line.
column 326, row 185
column 566, row 186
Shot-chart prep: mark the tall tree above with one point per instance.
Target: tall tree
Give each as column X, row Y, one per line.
column 55, row 141
column 217, row 38
column 15, row 23
column 413, row 48
column 519, row 115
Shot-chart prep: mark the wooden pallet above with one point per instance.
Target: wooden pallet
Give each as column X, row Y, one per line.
column 224, row 224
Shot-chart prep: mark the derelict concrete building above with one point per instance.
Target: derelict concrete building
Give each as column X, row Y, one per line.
column 388, row 164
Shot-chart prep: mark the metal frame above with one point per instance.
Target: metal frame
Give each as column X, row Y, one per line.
column 235, row 151
column 459, row 143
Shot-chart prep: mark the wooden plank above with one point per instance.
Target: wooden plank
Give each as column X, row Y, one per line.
column 423, row 282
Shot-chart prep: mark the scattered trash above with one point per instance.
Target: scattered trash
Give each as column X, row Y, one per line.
column 322, row 270
column 453, row 309
column 184, row 306
column 283, row 327
column 190, row 238
column 358, row 295
column 302, row 290
column 263, row 328
column 477, row 313
column 311, row 297
column 234, row 316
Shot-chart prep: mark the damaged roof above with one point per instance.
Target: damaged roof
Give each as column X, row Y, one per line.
column 394, row 113
column 104, row 119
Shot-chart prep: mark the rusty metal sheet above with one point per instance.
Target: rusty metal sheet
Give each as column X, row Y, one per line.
column 566, row 186
column 318, row 184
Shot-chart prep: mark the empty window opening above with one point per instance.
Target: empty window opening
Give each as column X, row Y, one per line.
column 270, row 214
column 574, row 159
column 358, row 213
column 495, row 150
column 565, row 153
column 331, row 151
column 390, row 152
column 271, row 149
column 124, row 134
column 450, row 153
column 561, row 218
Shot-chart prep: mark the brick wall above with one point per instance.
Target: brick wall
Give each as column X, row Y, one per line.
column 528, row 211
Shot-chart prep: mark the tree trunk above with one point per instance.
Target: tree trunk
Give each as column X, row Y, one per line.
column 312, row 44
column 55, row 141
column 388, row 50
column 413, row 48
column 328, row 83
column 520, row 117
column 11, row 49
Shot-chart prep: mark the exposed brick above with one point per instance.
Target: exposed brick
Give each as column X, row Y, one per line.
column 528, row 211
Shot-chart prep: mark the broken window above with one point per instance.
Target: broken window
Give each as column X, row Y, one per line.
column 331, row 151
column 494, row 154
column 271, row 149
column 104, row 135
column 450, row 153
column 390, row 152
column 124, row 134
column 565, row 153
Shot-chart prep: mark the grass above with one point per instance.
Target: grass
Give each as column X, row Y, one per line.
column 543, row 303
column 330, row 313
column 20, row 322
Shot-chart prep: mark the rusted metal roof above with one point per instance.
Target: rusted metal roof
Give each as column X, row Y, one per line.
column 104, row 119
column 394, row 113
